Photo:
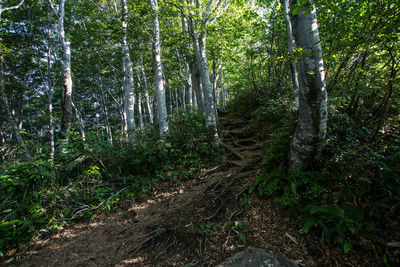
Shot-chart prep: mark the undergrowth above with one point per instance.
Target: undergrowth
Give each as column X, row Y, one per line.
column 38, row 196
column 351, row 196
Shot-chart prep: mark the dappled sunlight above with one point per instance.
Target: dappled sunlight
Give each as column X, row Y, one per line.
column 131, row 261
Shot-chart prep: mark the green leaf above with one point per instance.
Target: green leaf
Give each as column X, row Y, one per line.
column 346, row 246
column 308, row 224
column 296, row 10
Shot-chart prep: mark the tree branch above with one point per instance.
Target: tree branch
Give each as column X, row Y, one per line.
column 13, row 7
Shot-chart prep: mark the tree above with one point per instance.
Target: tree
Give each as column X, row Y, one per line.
column 293, row 69
column 161, row 108
column 2, row 9
column 65, row 43
column 128, row 83
column 312, row 114
column 3, row 95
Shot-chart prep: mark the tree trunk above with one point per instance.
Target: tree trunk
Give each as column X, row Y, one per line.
column 11, row 119
column 197, row 96
column 66, row 64
column 199, row 44
column 50, row 93
column 158, row 73
column 146, row 93
column 81, row 124
column 291, row 46
column 128, row 84
column 139, row 110
column 189, row 89
column 312, row 114
column 105, row 110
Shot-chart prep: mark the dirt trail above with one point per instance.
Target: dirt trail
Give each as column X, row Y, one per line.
column 198, row 223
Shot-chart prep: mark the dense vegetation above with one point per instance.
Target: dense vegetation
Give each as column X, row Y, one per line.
column 350, row 195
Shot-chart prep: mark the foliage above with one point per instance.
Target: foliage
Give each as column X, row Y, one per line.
column 205, row 229
column 238, row 228
column 351, row 196
column 92, row 175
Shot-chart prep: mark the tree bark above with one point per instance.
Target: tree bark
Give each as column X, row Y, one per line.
column 197, row 96
column 10, row 117
column 312, row 114
column 291, row 46
column 81, row 124
column 199, row 44
column 189, row 87
column 128, row 83
column 139, row 110
column 158, row 73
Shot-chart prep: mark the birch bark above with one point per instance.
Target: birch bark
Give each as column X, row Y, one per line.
column 291, row 47
column 158, row 73
column 128, row 83
column 312, row 114
column 66, row 65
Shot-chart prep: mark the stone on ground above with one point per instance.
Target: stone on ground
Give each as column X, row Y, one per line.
column 256, row 257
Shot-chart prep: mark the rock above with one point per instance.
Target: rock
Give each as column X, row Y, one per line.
column 256, row 257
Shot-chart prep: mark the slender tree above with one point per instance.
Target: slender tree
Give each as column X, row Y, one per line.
column 3, row 96
column 291, row 47
column 59, row 12
column 158, row 73
column 128, row 83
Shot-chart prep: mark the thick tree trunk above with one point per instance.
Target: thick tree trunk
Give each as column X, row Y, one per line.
column 128, row 84
column 158, row 73
column 291, row 46
column 312, row 114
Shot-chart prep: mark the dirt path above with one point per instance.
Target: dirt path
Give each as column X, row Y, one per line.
column 199, row 223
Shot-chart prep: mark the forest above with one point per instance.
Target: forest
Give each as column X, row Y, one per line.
column 182, row 132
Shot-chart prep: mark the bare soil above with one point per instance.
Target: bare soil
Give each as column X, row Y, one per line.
column 192, row 224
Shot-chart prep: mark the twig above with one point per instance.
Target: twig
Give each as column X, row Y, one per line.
column 87, row 208
column 213, row 185
column 233, row 151
column 240, row 193
column 211, row 216
column 211, row 170
column 236, row 177
column 138, row 247
column 235, row 213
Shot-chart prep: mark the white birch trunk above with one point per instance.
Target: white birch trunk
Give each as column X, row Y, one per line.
column 139, row 109
column 146, row 93
column 158, row 73
column 199, row 44
column 189, row 88
column 50, row 93
column 312, row 114
column 291, row 46
column 128, row 83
